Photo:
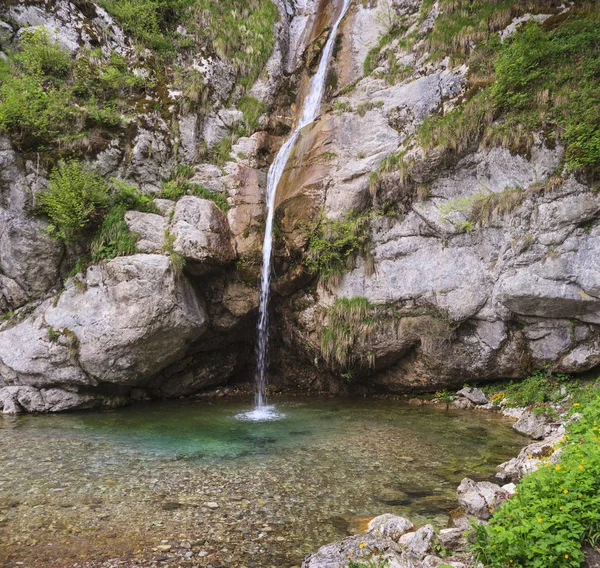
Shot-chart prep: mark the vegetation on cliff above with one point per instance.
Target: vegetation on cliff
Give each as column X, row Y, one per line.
column 48, row 100
column 539, row 83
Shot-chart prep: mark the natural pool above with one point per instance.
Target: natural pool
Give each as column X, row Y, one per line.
column 84, row 488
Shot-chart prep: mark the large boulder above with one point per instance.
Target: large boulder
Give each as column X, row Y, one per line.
column 201, row 232
column 150, row 228
column 120, row 323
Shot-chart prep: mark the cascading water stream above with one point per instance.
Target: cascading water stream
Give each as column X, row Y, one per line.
column 310, row 109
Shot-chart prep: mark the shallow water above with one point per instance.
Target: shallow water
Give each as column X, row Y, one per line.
column 82, row 488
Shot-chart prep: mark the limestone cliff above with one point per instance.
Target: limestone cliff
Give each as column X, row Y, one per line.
column 426, row 234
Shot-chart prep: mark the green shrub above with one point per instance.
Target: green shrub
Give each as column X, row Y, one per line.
column 556, row 509
column 43, row 55
column 48, row 101
column 252, row 109
column 151, row 22
column 175, row 190
column 113, row 238
column 334, row 245
column 75, row 199
column 544, row 78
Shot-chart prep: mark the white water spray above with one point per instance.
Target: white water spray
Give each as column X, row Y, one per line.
column 310, row 109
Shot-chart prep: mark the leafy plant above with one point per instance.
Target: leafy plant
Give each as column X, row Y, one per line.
column 252, row 109
column 75, row 199
column 556, row 509
column 113, row 238
column 334, row 245
column 175, row 190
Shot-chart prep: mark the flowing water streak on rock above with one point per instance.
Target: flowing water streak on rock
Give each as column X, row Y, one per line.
column 310, row 109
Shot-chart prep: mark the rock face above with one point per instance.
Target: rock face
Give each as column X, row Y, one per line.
column 120, row 324
column 201, row 232
column 452, row 298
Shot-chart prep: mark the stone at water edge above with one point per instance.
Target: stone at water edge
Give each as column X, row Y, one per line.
column 419, row 542
column 452, row 538
column 335, row 555
column 476, row 396
column 480, row 498
column 391, row 526
column 434, row 562
column 534, row 425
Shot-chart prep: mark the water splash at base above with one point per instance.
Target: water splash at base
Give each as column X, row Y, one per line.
column 261, row 414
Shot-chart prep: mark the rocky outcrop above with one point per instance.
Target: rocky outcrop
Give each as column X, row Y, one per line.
column 201, row 232
column 119, row 324
column 454, row 295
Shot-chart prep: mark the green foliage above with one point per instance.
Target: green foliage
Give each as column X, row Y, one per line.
column 334, row 245
column 372, row 60
column 556, row 509
column 479, row 208
column 252, row 109
column 176, row 188
column 75, row 199
column 362, row 108
column 150, row 22
column 177, row 260
column 48, row 100
column 113, row 238
column 42, row 56
column 240, row 31
column 550, row 79
column 348, row 321
column 544, row 78
column 221, row 153
column 460, row 128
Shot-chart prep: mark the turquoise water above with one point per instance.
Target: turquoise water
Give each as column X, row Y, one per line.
column 190, row 473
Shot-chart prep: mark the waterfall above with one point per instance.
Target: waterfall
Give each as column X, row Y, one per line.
column 310, row 109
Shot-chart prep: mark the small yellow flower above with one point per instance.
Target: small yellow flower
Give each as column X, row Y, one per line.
column 557, row 467
column 540, row 519
column 575, row 404
column 561, row 507
column 580, row 466
column 565, row 491
column 528, row 457
column 566, row 556
column 361, row 545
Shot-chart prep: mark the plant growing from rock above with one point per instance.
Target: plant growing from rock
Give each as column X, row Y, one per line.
column 334, row 245
column 348, row 323
column 75, row 199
